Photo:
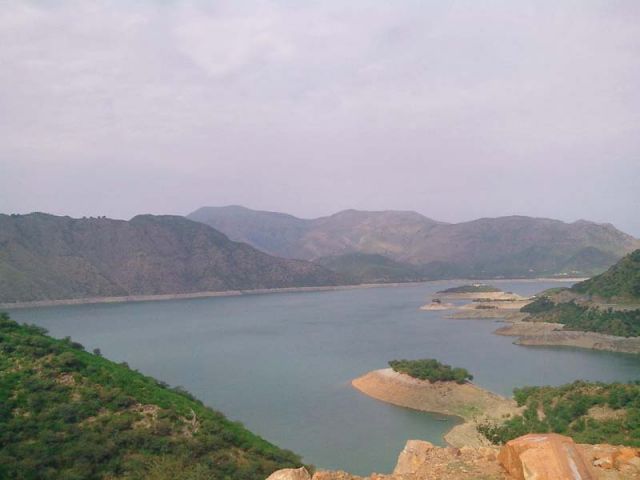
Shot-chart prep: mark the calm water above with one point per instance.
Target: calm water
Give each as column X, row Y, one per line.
column 282, row 363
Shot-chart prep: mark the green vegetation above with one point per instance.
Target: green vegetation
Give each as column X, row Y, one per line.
column 69, row 414
column 621, row 282
column 432, row 370
column 588, row 412
column 621, row 323
column 476, row 288
column 542, row 304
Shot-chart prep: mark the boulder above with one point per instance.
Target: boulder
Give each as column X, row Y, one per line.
column 544, row 457
column 626, row 457
column 337, row 475
column 290, row 474
column 413, row 456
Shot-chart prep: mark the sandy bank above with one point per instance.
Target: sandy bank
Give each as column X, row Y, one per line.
column 498, row 310
column 435, row 306
column 553, row 334
column 474, row 295
column 468, row 401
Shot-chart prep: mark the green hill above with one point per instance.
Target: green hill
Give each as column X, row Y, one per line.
column 607, row 303
column 620, row 283
column 69, row 414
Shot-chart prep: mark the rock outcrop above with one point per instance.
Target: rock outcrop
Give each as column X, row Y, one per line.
column 414, row 455
column 531, row 457
column 544, row 456
column 290, row 474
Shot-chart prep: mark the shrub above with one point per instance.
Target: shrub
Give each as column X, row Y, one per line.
column 432, row 370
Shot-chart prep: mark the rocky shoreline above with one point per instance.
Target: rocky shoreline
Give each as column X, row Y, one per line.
column 547, row 456
column 229, row 293
column 535, row 333
column 182, row 296
column 530, row 457
column 554, row 335
column 471, row 403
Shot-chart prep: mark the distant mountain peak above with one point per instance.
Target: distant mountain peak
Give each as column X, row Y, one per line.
column 515, row 245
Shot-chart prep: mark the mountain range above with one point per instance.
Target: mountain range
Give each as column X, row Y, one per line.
column 419, row 247
column 47, row 257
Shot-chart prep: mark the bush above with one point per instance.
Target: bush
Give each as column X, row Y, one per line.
column 566, row 410
column 69, row 414
column 432, row 370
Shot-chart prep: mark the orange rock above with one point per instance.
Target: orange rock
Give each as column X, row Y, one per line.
column 626, row 456
column 544, row 457
column 290, row 474
column 412, row 457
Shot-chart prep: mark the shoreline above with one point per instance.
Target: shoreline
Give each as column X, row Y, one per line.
column 187, row 296
column 469, row 402
column 234, row 293
column 542, row 334
column 539, row 334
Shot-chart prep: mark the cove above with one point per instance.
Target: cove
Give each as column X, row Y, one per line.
column 282, row 363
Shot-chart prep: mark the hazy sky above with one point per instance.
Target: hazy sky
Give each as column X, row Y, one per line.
column 456, row 109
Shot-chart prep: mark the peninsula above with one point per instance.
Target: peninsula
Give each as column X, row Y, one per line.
column 601, row 313
column 455, row 397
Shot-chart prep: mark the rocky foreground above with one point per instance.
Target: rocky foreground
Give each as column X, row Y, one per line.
column 531, row 457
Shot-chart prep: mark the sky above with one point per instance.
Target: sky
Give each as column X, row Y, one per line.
column 454, row 109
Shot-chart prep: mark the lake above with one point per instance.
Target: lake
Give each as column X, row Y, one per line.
column 282, row 363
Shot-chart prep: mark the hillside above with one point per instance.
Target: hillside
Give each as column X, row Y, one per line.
column 66, row 413
column 513, row 246
column 608, row 303
column 46, row 257
column 349, row 231
column 620, row 283
column 587, row 412
column 271, row 232
column 370, row 268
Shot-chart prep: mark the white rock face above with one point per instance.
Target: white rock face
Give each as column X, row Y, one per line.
column 290, row 474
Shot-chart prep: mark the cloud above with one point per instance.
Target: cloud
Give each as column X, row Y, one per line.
column 310, row 107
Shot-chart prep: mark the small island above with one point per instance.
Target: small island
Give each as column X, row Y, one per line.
column 430, row 386
column 474, row 288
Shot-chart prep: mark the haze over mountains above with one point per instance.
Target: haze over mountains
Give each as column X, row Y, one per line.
column 421, row 247
column 46, row 257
